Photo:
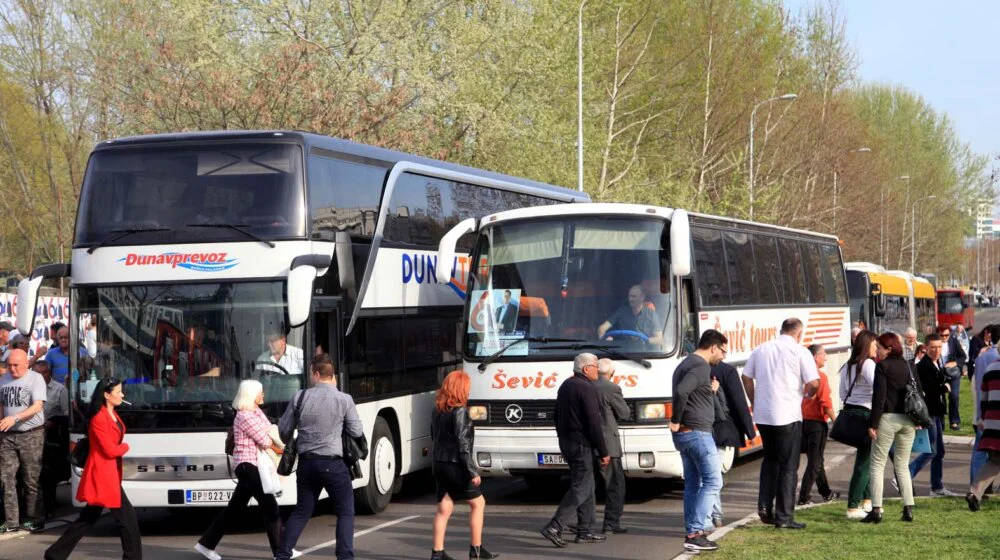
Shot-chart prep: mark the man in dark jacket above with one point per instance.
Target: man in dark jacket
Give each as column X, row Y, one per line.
column 581, row 434
column 613, row 409
column 734, row 428
column 935, row 383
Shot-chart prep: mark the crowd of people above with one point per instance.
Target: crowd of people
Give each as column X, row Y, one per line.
column 783, row 382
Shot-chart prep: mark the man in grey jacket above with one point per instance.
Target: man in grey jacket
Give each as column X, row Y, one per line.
column 325, row 413
column 614, row 409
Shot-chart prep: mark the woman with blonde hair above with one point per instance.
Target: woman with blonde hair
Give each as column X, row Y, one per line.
column 251, row 435
column 455, row 471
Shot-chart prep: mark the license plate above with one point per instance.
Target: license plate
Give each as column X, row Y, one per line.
column 207, row 496
column 551, row 460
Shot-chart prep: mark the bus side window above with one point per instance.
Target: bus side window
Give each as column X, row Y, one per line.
column 689, row 324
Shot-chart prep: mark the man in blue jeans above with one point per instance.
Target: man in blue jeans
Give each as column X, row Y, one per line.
column 325, row 414
column 691, row 425
column 934, row 382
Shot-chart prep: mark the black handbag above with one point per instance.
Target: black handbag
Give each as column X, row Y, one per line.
column 914, row 404
column 78, row 456
column 851, row 425
column 289, row 458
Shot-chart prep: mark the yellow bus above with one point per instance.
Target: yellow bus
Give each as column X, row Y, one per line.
column 890, row 300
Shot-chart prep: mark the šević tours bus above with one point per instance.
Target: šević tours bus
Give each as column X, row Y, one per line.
column 549, row 283
column 204, row 259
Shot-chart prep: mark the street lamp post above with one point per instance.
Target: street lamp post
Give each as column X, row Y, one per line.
column 579, row 99
column 786, row 97
column 861, row 150
column 913, row 231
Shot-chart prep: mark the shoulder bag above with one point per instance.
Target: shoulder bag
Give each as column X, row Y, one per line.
column 289, row 458
column 851, row 425
column 914, row 405
column 78, row 455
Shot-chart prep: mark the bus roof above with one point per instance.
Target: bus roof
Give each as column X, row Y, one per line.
column 892, row 285
column 319, row 143
column 623, row 209
column 922, row 288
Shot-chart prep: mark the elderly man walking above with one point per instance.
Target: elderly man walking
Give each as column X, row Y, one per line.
column 784, row 372
column 613, row 409
column 22, row 439
column 909, row 344
column 581, row 434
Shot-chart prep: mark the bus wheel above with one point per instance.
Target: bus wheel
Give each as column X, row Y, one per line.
column 728, row 455
column 375, row 496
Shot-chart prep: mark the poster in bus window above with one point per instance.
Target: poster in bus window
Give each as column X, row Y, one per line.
column 494, row 315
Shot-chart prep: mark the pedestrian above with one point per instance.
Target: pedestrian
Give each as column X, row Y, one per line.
column 816, row 412
column 101, row 483
column 22, row 441
column 935, row 384
column 735, row 426
column 919, row 354
column 250, row 437
column 58, row 355
column 954, row 360
column 691, row 427
column 987, row 357
column 890, row 425
column 909, row 344
column 325, row 415
column 614, row 409
column 989, row 442
column 977, row 344
column 6, row 331
column 784, row 372
column 55, row 468
column 581, row 435
column 455, row 472
column 857, row 379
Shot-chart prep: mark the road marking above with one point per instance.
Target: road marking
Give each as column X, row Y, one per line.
column 320, row 546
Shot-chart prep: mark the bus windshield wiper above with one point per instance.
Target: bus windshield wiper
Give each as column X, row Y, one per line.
column 493, row 357
column 606, row 348
column 122, row 233
column 235, row 227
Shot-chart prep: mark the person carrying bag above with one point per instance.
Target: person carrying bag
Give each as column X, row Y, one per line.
column 851, row 425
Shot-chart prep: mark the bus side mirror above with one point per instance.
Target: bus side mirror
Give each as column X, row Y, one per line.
column 446, row 249
column 27, row 294
column 680, row 244
column 345, row 266
column 301, row 275
column 880, row 305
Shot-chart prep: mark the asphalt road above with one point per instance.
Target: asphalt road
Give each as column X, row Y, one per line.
column 514, row 515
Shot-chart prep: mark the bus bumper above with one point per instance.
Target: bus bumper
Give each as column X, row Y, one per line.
column 648, row 452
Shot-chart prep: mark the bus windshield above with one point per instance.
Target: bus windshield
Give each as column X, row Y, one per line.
column 181, row 350
column 950, row 302
column 188, row 194
column 569, row 285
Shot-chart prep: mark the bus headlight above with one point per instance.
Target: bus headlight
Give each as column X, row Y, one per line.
column 484, row 459
column 478, row 413
column 652, row 412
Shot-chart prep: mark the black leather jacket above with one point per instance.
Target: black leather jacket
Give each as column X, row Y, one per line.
column 451, row 433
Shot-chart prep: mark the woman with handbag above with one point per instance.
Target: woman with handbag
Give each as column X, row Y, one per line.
column 455, row 471
column 101, row 483
column 857, row 377
column 251, row 436
column 891, row 424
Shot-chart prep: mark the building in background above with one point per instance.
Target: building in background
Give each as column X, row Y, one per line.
column 984, row 220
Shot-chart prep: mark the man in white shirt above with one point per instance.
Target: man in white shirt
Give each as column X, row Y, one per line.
column 784, row 372
column 289, row 358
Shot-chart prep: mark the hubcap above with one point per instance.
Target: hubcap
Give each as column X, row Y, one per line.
column 385, row 465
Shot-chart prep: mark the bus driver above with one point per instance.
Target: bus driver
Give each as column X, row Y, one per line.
column 279, row 352
column 636, row 316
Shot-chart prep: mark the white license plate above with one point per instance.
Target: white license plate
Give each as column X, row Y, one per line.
column 207, row 496
column 551, row 459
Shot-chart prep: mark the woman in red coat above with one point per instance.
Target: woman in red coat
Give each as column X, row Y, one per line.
column 101, row 483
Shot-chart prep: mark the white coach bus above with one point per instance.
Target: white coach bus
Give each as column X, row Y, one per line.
column 203, row 259
column 549, row 282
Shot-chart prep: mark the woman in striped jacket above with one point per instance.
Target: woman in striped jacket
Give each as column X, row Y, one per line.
column 989, row 442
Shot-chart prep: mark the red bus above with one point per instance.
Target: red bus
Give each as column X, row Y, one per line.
column 956, row 306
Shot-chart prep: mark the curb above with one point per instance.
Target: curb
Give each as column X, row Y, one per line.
column 750, row 517
column 959, row 440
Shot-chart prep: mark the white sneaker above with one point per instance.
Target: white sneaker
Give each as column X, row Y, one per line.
column 296, row 553
column 942, row 492
column 867, row 506
column 856, row 513
column 207, row 552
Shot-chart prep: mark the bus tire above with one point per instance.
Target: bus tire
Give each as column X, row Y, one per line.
column 383, row 471
column 727, row 455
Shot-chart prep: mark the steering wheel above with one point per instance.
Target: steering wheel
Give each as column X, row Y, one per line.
column 634, row 334
column 265, row 369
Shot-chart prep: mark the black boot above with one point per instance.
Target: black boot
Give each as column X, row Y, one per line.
column 874, row 516
column 908, row 513
column 480, row 551
column 441, row 555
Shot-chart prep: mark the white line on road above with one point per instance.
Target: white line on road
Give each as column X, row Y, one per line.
column 320, row 546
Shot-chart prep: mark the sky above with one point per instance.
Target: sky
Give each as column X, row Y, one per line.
column 943, row 51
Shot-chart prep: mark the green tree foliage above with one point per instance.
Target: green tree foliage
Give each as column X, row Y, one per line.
column 669, row 89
